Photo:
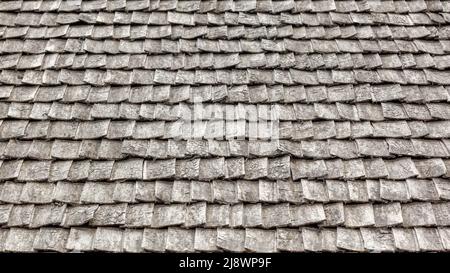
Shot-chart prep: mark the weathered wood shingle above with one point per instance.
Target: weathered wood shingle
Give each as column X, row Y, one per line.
column 208, row 126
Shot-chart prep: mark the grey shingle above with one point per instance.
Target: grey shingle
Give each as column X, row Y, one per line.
column 201, row 191
column 349, row 239
column 307, row 214
column 51, row 239
column 401, row 168
column 308, row 169
column 276, row 215
column 180, row 240
column 379, row 240
column 334, row 214
column 428, row 239
column 439, row 77
column 441, row 212
column 109, row 215
column 359, row 215
column 212, row 168
column 168, row 215
column 20, row 215
column 78, row 170
column 237, row 215
column 97, row 192
column 124, row 192
column 20, row 240
column 314, row 190
column 337, row 190
column 108, row 239
column 5, row 210
column 35, row 192
column 163, row 191
column 59, row 170
column 289, row 191
column 268, row 191
column 148, row 130
column 428, row 168
column 312, row 239
column 154, row 239
column 78, row 215
column 443, row 233
column 423, row 190
column 217, row 215
column 441, row 187
column 257, row 240
column 358, row 191
column 205, row 240
column 159, row 169
column 127, row 169
column 181, row 191
column 68, row 192
column 132, row 239
column 235, row 168
column 248, row 191
column 289, row 240
column 353, row 169
column 45, row 215
column 418, row 214
column 80, row 239
column 231, row 239
column 387, row 214
column 195, row 215
column 405, row 239
column 375, row 168
column 252, row 215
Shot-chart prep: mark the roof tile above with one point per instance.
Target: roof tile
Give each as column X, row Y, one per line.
column 80, row 239
column 154, row 239
column 258, row 240
column 195, row 214
column 418, row 214
column 428, row 239
column 231, row 239
column 359, row 215
column 20, row 240
column 205, row 240
column 349, row 239
column 78, row 215
column 108, row 239
column 307, row 214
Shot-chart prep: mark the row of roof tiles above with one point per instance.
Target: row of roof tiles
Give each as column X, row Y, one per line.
column 208, row 169
column 175, row 239
column 117, row 145
column 219, row 114
column 162, row 149
column 218, row 19
column 115, row 46
column 293, row 6
column 324, row 62
column 260, row 93
column 220, row 130
column 215, row 215
column 170, row 33
column 312, row 192
column 98, row 77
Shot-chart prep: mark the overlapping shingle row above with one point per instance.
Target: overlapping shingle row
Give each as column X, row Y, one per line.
column 219, row 168
column 233, row 240
column 306, row 191
column 220, row 6
column 224, row 125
